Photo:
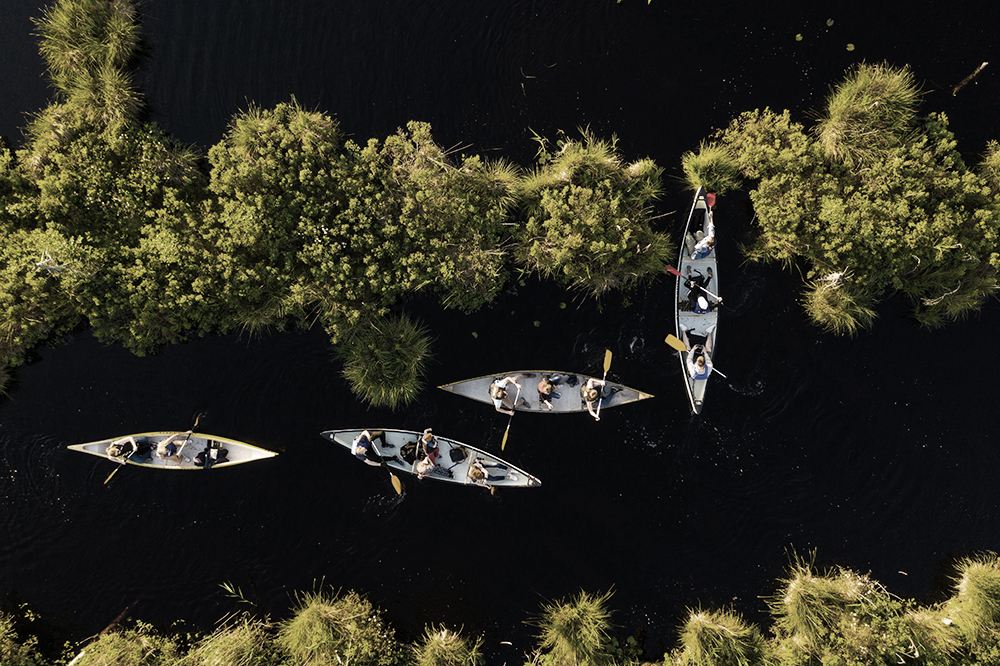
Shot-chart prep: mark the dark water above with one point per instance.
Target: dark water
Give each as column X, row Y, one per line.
column 878, row 452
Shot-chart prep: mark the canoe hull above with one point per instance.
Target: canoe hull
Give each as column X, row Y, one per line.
column 569, row 401
column 238, row 452
column 448, row 470
column 698, row 326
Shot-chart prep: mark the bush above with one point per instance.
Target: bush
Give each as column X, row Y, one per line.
column 720, row 638
column 137, row 646
column 16, row 650
column 712, row 167
column 243, row 641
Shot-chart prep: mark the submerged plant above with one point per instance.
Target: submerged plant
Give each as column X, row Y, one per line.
column 574, row 632
column 385, row 360
column 443, row 647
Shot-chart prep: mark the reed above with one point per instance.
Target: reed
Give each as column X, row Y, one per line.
column 574, row 632
column 443, row 647
column 870, row 111
column 140, row 645
column 712, row 167
column 720, row 638
column 809, row 606
column 385, row 360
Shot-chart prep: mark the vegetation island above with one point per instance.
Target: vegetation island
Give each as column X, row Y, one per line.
column 108, row 223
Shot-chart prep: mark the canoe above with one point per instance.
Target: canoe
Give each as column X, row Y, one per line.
column 454, row 458
column 236, row 452
column 569, row 400
column 700, row 327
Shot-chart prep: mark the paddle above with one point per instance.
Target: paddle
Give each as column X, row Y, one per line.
column 507, row 431
column 396, row 483
column 681, row 275
column 675, row 343
column 135, row 446
column 607, row 366
column 121, row 465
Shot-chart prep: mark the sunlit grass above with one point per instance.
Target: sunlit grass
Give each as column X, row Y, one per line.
column 975, row 607
column 443, row 647
column 720, row 638
column 871, row 110
column 574, row 632
column 712, row 167
column 385, row 360
column 831, row 304
column 240, row 641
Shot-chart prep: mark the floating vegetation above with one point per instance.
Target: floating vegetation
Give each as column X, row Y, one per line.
column 829, row 22
column 798, row 37
column 475, row 335
column 562, row 306
column 385, row 360
column 968, row 78
column 850, row 47
column 538, row 323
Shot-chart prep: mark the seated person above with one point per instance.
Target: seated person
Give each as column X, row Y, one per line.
column 169, row 452
column 593, row 396
column 546, row 390
column 211, row 455
column 364, row 449
column 703, row 248
column 129, row 448
column 429, row 445
column 479, row 475
column 500, row 397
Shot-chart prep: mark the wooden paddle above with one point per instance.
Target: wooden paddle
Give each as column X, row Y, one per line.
column 676, row 272
column 397, row 485
column 507, row 431
column 135, row 447
column 607, row 366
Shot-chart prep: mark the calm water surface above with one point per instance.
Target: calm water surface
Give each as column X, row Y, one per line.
column 878, row 451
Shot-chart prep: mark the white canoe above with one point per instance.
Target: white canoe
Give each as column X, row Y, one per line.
column 452, row 467
column 701, row 328
column 569, row 400
column 236, row 452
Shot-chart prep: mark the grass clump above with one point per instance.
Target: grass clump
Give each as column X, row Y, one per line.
column 574, row 632
column 330, row 628
column 241, row 641
column 16, row 650
column 830, row 303
column 869, row 112
column 720, row 638
column 385, row 360
column 712, row 167
column 975, row 608
column 140, row 645
column 442, row 647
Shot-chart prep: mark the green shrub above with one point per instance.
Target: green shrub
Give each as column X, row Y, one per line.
column 720, row 638
column 241, row 641
column 137, row 646
column 16, row 650
column 975, row 608
column 712, row 167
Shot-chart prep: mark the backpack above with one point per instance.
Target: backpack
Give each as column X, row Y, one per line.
column 457, row 454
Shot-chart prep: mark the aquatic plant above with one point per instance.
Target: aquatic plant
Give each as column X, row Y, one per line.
column 975, row 608
column 140, row 645
column 720, row 638
column 238, row 641
column 870, row 111
column 385, row 360
column 712, row 167
column 4, row 378
column 329, row 627
column 837, row 306
column 574, row 631
column 16, row 649
column 442, row 647
column 809, row 606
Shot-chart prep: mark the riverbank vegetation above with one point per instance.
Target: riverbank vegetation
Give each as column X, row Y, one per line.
column 109, row 223
column 817, row 618
column 873, row 200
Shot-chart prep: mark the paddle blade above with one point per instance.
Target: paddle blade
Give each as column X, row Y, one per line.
column 503, row 444
column 710, row 200
column 396, row 483
column 607, row 360
column 675, row 343
column 671, row 269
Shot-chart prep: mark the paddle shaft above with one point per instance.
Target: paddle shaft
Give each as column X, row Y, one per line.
column 396, row 484
column 607, row 366
column 517, row 396
column 681, row 275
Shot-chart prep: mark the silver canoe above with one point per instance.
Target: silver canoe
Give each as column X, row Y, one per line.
column 452, row 467
column 569, row 400
column 197, row 445
column 700, row 328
